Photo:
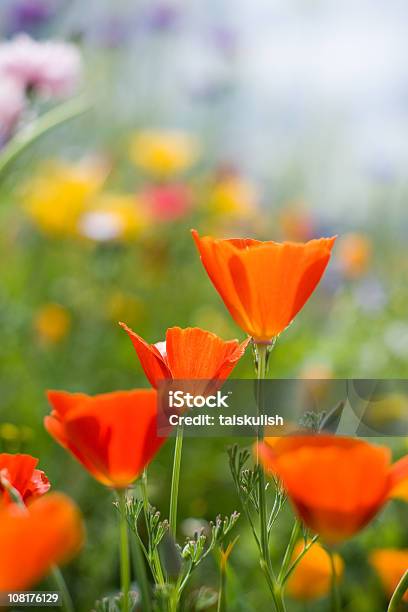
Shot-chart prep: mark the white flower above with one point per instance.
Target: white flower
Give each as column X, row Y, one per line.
column 101, row 226
column 51, row 68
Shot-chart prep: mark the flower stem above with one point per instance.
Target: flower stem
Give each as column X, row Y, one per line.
column 398, row 594
column 141, row 574
column 124, row 551
column 52, row 118
column 61, row 585
column 261, row 350
column 222, row 596
column 289, row 550
column 175, row 482
column 157, row 567
column 336, row 604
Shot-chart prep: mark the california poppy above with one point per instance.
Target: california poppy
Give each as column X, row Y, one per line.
column 186, row 354
column 312, row 576
column 20, row 473
column 48, row 532
column 336, row 484
column 264, row 284
column 390, row 565
column 112, row 435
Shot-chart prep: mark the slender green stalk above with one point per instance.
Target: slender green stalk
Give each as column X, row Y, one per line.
column 398, row 594
column 261, row 374
column 289, row 549
column 336, row 604
column 266, row 565
column 158, row 571
column 299, row 558
column 141, row 574
column 124, row 551
column 61, row 585
column 222, row 595
column 175, row 479
column 52, row 118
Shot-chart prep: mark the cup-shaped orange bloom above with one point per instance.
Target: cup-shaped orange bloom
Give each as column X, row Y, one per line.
column 187, row 354
column 264, row 284
column 20, row 473
column 312, row 576
column 390, row 565
column 47, row 533
column 112, row 435
column 336, row 484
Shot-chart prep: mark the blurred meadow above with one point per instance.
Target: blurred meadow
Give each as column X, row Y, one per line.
column 276, row 120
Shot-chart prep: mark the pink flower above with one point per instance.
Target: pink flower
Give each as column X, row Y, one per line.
column 168, row 202
column 51, row 68
column 12, row 102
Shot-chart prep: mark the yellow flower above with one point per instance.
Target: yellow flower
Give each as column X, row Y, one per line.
column 312, row 576
column 233, row 196
column 163, row 153
column 59, row 193
column 9, row 432
column 390, row 565
column 113, row 216
column 52, row 323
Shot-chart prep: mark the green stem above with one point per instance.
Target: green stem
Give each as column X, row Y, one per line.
column 141, row 574
column 261, row 374
column 276, row 592
column 289, row 549
column 222, row 595
column 158, row 571
column 299, row 558
column 52, row 118
column 336, row 606
column 61, row 585
column 398, row 594
column 175, row 482
column 124, row 550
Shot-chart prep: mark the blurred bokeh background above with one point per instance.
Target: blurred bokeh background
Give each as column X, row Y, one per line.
column 275, row 119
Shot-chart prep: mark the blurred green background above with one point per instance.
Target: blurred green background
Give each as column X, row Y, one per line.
column 95, row 229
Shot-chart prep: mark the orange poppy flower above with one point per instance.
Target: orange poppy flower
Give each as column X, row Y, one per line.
column 48, row 532
column 112, row 435
column 336, row 484
column 186, row 354
column 20, row 473
column 312, row 576
column 390, row 565
column 264, row 284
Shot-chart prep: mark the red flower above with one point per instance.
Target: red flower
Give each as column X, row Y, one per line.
column 168, row 202
column 336, row 484
column 264, row 284
column 112, row 435
column 187, row 354
column 47, row 533
column 18, row 472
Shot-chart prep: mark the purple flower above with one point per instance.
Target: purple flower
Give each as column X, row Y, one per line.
column 50, row 68
column 162, row 16
column 25, row 15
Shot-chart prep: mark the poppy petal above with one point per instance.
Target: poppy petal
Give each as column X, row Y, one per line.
column 49, row 532
column 193, row 353
column 152, row 362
